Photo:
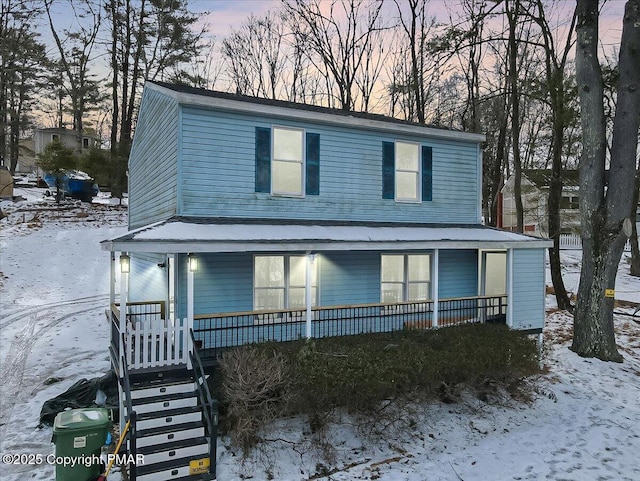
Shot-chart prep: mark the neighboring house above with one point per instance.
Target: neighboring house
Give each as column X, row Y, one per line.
column 535, row 197
column 254, row 220
column 69, row 138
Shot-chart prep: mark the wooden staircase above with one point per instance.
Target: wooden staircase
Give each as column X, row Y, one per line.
column 170, row 429
column 173, row 422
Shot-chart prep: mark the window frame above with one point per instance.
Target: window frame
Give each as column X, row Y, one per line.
column 406, row 282
column 418, row 173
column 302, row 162
column 287, row 281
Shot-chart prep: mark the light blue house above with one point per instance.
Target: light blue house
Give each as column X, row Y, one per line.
column 254, row 219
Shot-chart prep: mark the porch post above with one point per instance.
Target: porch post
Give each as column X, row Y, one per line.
column 122, row 312
column 310, row 258
column 189, row 326
column 122, row 317
column 436, row 280
column 112, row 282
column 510, row 287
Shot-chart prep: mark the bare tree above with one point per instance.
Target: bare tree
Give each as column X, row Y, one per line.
column 337, row 48
column 417, row 28
column 256, row 56
column 604, row 206
column 22, row 60
column 555, row 62
column 75, row 49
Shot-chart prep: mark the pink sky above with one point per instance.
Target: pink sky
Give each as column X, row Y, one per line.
column 225, row 15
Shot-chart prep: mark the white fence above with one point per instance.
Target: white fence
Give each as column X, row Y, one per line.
column 154, row 343
column 574, row 242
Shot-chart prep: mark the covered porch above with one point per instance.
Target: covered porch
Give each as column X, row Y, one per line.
column 188, row 283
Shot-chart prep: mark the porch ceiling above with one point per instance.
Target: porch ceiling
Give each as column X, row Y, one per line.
column 189, row 234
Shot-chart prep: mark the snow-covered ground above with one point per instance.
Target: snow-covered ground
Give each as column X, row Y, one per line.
column 584, row 423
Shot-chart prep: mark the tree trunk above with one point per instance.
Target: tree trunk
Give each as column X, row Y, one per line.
column 555, row 189
column 633, row 240
column 603, row 212
column 512, row 15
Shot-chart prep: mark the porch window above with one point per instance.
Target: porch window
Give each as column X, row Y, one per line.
column 279, row 282
column 405, row 277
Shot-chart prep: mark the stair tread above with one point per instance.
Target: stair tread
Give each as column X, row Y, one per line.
column 167, row 465
column 195, row 477
column 168, row 412
column 171, row 445
column 170, row 428
column 164, row 397
column 151, row 383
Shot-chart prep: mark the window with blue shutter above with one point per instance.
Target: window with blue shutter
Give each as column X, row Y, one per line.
column 281, row 162
column 407, row 172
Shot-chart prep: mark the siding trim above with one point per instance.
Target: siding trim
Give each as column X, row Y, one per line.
column 179, row 177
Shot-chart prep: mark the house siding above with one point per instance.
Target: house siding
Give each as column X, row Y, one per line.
column 224, row 282
column 153, row 163
column 218, row 168
column 528, row 288
column 458, row 273
column 149, row 281
column 349, row 278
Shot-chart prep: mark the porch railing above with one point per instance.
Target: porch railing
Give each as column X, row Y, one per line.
column 156, row 343
column 219, row 331
column 150, row 340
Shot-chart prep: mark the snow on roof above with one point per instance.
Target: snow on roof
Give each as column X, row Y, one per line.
column 243, row 235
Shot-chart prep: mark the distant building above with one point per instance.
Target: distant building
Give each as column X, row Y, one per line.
column 535, row 202
column 69, row 138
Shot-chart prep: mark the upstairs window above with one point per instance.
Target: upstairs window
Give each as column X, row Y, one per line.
column 55, row 138
column 407, row 174
column 287, row 161
column 571, row 203
column 405, row 277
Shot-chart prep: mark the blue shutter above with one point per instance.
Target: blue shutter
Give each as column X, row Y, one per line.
column 263, row 159
column 388, row 170
column 313, row 164
column 427, row 173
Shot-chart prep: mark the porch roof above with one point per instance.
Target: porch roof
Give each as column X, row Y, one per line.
column 191, row 234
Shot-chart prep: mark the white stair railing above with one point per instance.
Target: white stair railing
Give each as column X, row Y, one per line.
column 155, row 343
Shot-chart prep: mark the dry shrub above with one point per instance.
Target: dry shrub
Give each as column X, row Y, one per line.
column 256, row 386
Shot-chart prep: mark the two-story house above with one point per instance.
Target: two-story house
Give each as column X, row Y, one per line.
column 254, row 220
column 535, row 202
column 67, row 137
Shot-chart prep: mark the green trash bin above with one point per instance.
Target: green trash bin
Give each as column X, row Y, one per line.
column 78, row 435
